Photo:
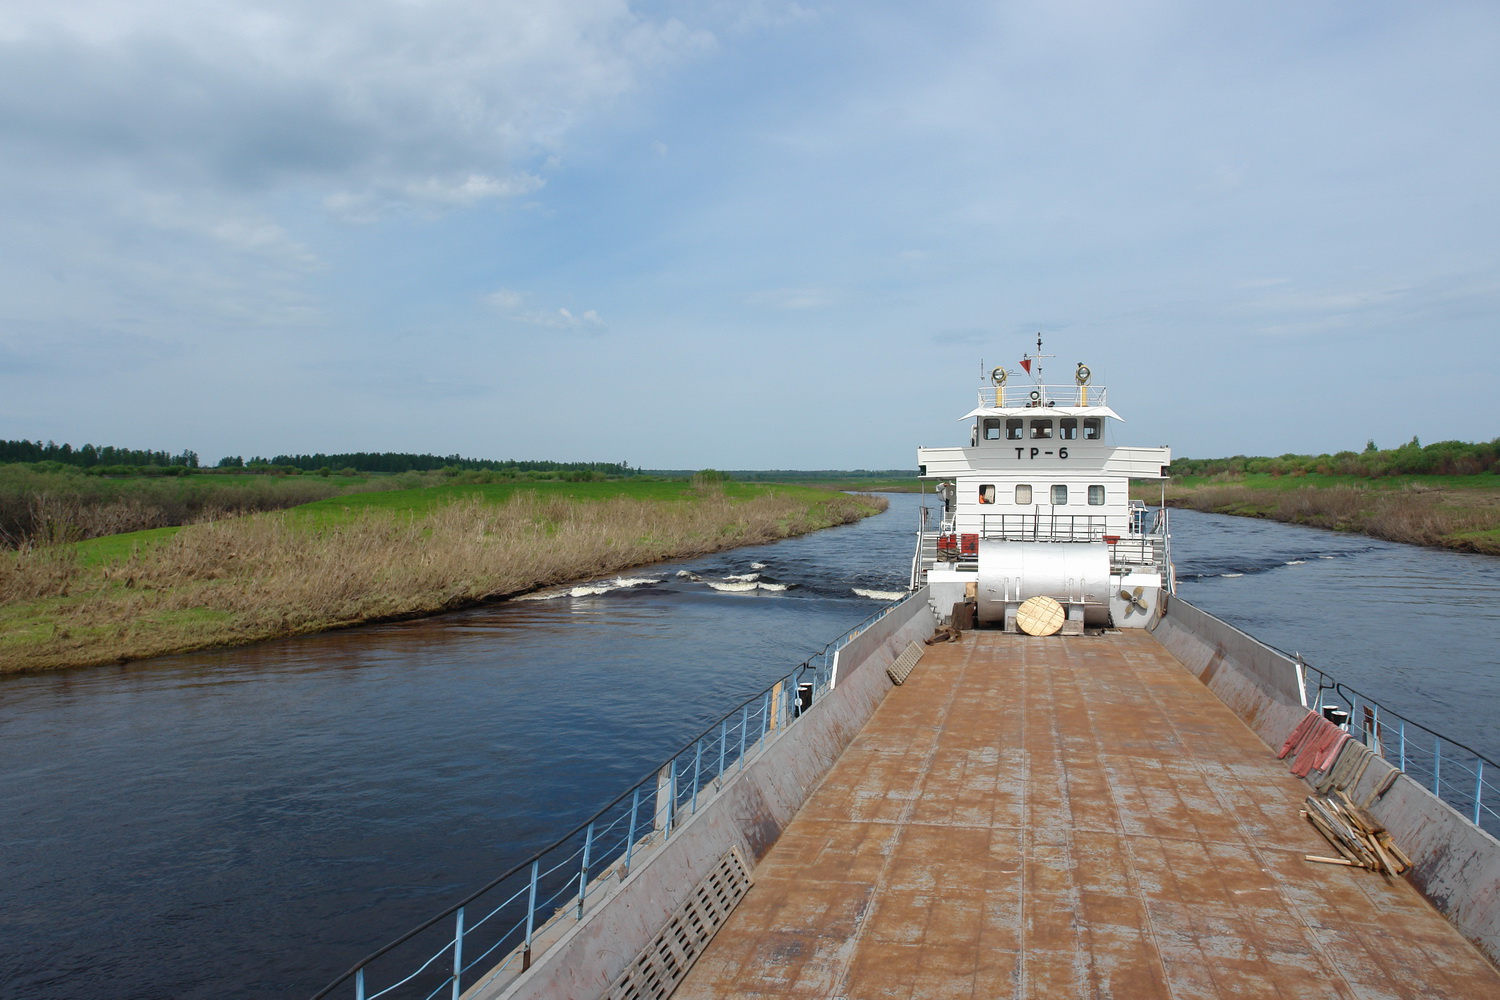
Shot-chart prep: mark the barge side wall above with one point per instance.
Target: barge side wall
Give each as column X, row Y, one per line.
column 1455, row 864
column 749, row 812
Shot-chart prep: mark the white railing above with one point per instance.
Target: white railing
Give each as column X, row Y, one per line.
column 1038, row 527
column 1020, row 395
column 1135, row 550
column 1460, row 776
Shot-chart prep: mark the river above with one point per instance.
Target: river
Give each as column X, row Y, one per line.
column 249, row 822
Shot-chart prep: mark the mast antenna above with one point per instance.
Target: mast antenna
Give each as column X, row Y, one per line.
column 1036, row 372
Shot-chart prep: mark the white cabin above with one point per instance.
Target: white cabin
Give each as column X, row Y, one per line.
column 1038, row 504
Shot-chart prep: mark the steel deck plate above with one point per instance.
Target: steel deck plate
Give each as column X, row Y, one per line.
column 1069, row 817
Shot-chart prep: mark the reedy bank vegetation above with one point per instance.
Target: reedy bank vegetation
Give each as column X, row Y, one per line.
column 44, row 503
column 253, row 578
column 1415, row 513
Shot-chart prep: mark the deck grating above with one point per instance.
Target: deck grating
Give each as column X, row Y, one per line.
column 1069, row 817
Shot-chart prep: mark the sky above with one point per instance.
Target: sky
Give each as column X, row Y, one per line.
column 759, row 234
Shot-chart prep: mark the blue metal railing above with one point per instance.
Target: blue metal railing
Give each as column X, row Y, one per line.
column 1456, row 774
column 501, row 921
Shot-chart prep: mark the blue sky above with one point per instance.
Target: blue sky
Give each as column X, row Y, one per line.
column 742, row 235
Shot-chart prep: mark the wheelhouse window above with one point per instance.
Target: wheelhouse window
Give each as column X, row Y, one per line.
column 1059, row 496
column 1041, row 429
column 1093, row 429
column 1013, row 429
column 992, row 428
column 1023, row 496
column 1096, row 496
column 987, row 493
column 1067, row 428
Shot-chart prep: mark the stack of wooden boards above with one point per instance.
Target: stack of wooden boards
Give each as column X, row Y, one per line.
column 1355, row 834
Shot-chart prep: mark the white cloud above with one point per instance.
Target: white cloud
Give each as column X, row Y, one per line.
column 380, row 104
column 513, row 307
column 431, row 193
column 759, row 15
column 229, row 226
column 563, row 319
column 506, row 300
column 170, row 167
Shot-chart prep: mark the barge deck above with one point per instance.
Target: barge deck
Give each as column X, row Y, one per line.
column 1075, row 816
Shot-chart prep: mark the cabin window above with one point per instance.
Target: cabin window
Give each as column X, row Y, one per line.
column 1096, row 496
column 1013, row 429
column 1023, row 496
column 987, row 493
column 1041, row 429
column 1067, row 428
column 1059, row 496
column 992, row 429
column 1093, row 428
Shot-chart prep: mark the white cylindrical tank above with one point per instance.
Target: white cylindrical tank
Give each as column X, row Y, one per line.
column 1070, row 572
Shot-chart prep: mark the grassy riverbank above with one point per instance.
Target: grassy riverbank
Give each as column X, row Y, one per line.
column 369, row 557
column 1454, row 512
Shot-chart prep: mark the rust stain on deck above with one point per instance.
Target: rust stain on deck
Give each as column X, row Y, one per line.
column 1069, row 817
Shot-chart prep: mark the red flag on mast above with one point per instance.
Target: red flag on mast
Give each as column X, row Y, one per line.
column 1026, row 364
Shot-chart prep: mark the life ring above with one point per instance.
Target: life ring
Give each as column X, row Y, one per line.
column 999, row 375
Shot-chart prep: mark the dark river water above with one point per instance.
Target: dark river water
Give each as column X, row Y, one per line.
column 249, row 823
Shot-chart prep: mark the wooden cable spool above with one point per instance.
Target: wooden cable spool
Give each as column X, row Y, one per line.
column 1040, row 616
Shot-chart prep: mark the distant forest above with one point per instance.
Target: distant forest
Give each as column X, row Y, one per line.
column 125, row 460
column 89, row 456
column 393, row 461
column 1445, row 458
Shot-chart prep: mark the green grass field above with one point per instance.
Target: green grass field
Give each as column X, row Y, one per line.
column 854, row 485
column 424, row 499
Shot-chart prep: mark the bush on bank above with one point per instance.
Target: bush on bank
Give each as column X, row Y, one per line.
column 1445, row 458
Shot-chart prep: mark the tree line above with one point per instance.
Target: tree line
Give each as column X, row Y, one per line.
column 1445, row 458
column 89, row 455
column 123, row 461
column 396, row 462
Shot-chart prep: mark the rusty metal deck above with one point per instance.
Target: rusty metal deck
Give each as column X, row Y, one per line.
column 1069, row 817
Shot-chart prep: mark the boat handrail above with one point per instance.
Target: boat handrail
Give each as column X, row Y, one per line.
column 916, row 559
column 554, row 882
column 1423, row 754
column 1038, row 527
column 993, row 397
